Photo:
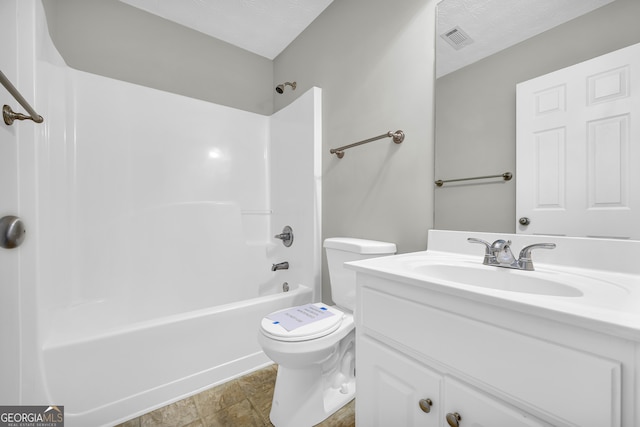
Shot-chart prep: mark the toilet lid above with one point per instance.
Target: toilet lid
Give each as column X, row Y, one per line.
column 308, row 331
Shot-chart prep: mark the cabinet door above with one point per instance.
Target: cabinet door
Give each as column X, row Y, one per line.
column 480, row 410
column 393, row 390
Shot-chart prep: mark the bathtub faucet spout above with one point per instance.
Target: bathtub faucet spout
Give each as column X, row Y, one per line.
column 280, row 266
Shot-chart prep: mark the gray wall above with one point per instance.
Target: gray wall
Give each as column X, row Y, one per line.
column 374, row 61
column 113, row 39
column 475, row 113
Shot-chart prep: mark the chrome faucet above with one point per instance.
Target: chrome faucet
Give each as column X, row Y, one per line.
column 280, row 266
column 499, row 253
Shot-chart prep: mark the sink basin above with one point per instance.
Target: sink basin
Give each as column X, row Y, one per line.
column 503, row 279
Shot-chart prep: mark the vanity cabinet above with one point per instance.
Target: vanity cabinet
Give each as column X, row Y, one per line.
column 401, row 391
column 489, row 365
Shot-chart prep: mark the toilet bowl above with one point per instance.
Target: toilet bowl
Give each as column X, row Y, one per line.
column 314, row 344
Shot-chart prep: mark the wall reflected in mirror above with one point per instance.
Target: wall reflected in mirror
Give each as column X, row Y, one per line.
column 476, row 90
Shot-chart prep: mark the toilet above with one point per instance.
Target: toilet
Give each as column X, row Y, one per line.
column 314, row 344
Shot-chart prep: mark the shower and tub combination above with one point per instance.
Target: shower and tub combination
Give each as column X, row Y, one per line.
column 153, row 239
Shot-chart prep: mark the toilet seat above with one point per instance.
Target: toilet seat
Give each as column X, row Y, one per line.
column 310, row 331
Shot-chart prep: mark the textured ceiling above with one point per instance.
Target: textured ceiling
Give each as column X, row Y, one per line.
column 264, row 27
column 494, row 25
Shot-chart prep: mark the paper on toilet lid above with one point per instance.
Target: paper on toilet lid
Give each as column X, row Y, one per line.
column 305, row 321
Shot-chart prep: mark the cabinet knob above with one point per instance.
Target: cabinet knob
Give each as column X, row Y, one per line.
column 425, row 405
column 453, row 418
column 524, row 221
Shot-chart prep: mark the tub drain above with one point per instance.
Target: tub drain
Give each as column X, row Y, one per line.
column 285, row 287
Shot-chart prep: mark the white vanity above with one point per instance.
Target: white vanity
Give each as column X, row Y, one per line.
column 444, row 340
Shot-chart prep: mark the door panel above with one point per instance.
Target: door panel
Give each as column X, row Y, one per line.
column 578, row 137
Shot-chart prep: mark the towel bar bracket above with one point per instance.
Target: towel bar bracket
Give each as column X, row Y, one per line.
column 9, row 116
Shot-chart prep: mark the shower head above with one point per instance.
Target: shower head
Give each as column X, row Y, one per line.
column 280, row 88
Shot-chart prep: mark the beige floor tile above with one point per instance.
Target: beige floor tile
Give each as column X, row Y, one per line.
column 259, row 380
column 344, row 417
column 241, row 414
column 213, row 400
column 131, row 423
column 177, row 414
column 258, row 387
column 262, row 405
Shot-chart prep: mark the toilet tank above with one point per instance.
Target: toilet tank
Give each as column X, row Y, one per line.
column 344, row 249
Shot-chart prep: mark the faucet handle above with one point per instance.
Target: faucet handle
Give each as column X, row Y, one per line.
column 489, row 256
column 524, row 260
column 286, row 236
column 474, row 240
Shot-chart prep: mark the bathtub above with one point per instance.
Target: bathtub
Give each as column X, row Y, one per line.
column 174, row 311
column 104, row 378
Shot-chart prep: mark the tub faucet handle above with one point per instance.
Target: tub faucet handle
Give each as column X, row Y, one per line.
column 286, row 236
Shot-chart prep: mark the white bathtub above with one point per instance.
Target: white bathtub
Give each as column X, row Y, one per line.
column 118, row 373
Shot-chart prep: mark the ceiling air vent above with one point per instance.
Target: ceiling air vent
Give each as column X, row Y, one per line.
column 457, row 38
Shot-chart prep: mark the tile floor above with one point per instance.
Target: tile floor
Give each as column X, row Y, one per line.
column 243, row 402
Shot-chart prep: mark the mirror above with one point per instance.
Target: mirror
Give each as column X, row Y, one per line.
column 475, row 100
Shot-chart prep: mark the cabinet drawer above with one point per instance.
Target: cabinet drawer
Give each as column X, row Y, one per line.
column 480, row 410
column 578, row 389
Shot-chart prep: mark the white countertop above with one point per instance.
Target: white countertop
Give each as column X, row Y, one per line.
column 585, row 287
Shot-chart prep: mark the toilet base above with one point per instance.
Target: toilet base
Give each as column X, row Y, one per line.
column 307, row 409
column 305, row 396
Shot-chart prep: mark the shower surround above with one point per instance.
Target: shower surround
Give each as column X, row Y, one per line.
column 152, row 237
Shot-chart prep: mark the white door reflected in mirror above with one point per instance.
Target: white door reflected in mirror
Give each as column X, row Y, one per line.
column 578, row 135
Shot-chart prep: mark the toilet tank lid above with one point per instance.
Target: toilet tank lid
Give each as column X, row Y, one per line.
column 360, row 246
